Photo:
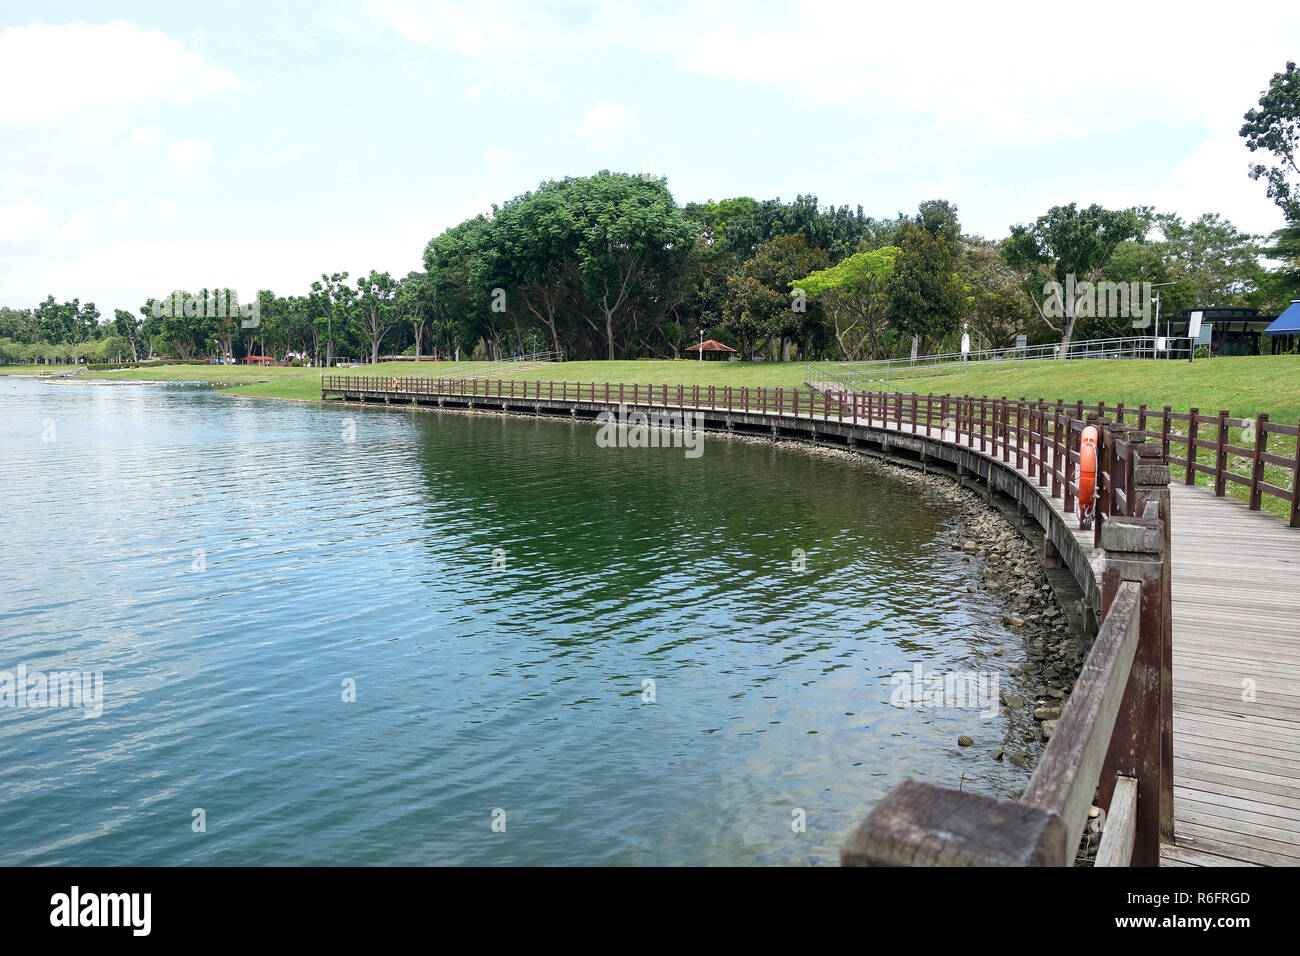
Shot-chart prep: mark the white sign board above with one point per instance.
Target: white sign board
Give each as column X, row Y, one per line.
column 1194, row 324
column 965, row 343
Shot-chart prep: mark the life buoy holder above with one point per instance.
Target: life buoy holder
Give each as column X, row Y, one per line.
column 394, row 385
column 1086, row 475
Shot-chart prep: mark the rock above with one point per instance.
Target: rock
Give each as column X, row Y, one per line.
column 964, row 741
column 1013, row 700
column 1047, row 713
column 1020, row 759
column 1012, row 621
column 998, row 754
column 1029, row 667
column 1049, row 727
column 970, row 546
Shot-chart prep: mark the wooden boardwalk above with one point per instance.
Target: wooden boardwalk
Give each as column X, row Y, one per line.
column 1236, row 684
column 1236, row 644
column 1236, row 636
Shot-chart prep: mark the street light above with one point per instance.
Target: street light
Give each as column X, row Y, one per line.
column 1156, row 323
column 701, row 344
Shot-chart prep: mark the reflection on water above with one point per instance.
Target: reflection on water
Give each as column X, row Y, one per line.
column 504, row 596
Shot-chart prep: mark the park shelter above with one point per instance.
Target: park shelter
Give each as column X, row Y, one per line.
column 711, row 349
column 258, row 360
column 1288, row 323
column 1233, row 331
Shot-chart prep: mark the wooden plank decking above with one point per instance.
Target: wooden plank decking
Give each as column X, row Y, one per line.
column 1236, row 684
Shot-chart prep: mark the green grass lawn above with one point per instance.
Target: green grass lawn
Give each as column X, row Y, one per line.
column 1245, row 386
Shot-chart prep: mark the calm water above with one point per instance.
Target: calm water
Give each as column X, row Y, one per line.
column 230, row 564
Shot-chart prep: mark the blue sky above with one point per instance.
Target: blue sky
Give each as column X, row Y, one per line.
column 145, row 147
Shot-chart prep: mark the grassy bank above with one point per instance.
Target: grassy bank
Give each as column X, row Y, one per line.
column 1246, row 385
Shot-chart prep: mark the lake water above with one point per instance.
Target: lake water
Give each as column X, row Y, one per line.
column 498, row 592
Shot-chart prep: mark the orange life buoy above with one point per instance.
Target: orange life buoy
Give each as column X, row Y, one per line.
column 1087, row 476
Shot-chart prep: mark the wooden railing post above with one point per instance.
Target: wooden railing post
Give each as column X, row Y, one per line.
column 1221, row 455
column 1135, row 551
column 1257, row 463
column 1192, row 428
column 1058, row 449
column 919, row 824
column 1295, row 486
column 1150, row 487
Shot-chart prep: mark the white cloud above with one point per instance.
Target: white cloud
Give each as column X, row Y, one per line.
column 20, row 220
column 1212, row 179
column 605, row 118
column 126, row 274
column 499, row 157
column 73, row 227
column 81, row 67
column 190, row 152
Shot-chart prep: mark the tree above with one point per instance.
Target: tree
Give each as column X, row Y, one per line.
column 927, row 296
column 413, row 300
column 999, row 309
column 332, row 297
column 1070, row 241
column 128, row 327
column 628, row 231
column 375, row 295
column 759, row 302
column 1216, row 260
column 1275, row 128
column 855, row 294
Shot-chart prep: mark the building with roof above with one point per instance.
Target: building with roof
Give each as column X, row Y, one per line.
column 711, row 349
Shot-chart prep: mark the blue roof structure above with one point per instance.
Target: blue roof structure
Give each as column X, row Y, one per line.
column 1288, row 323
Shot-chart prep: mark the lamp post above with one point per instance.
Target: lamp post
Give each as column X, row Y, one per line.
column 701, row 345
column 1156, row 324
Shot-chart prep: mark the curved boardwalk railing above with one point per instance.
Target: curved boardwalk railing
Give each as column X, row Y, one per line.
column 1113, row 742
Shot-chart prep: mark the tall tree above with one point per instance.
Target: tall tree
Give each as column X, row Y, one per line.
column 1069, row 241
column 375, row 295
column 855, row 293
column 760, row 303
column 628, row 231
column 1275, row 128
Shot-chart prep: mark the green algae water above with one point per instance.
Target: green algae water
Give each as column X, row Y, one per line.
column 341, row 636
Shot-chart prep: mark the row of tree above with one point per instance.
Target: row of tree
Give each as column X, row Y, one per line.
column 609, row 267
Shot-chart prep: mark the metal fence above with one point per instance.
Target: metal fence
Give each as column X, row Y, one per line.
column 856, row 375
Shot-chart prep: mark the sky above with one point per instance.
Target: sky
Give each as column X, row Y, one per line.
column 254, row 145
